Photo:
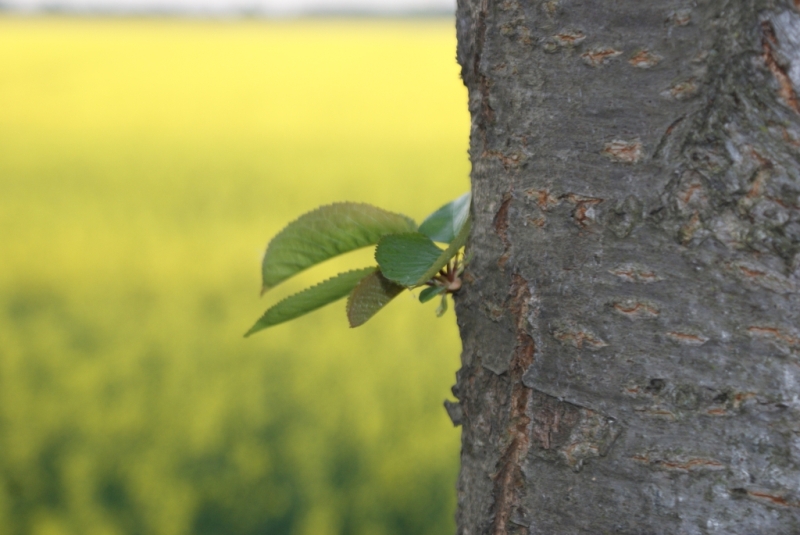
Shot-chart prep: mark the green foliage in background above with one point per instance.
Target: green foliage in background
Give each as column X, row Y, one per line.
column 406, row 257
column 143, row 165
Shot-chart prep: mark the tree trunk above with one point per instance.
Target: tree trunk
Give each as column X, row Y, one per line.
column 630, row 316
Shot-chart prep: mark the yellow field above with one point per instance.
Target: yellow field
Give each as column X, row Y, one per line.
column 144, row 164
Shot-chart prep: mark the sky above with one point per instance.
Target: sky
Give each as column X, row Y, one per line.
column 277, row 7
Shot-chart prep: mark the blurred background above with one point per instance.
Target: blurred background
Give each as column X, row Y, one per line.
column 145, row 161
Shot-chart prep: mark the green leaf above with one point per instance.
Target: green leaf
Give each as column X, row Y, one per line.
column 371, row 294
column 444, row 224
column 311, row 299
column 429, row 293
column 447, row 254
column 404, row 258
column 324, row 233
column 442, row 308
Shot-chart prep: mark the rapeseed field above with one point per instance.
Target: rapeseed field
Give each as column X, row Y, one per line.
column 144, row 164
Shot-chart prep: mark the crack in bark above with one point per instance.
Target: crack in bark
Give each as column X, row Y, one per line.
column 624, row 151
column 689, row 465
column 644, row 59
column 583, row 213
column 634, row 273
column 667, row 133
column 569, row 38
column 578, row 337
column 636, row 309
column 543, row 198
column 684, row 90
column 599, row 56
column 689, row 338
column 768, row 42
column 769, row 497
column 760, row 276
column 509, row 477
column 783, row 341
column 501, row 228
column 509, row 161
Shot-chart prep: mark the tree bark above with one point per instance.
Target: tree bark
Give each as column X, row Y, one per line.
column 630, row 315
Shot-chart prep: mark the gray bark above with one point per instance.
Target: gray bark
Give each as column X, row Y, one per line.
column 631, row 357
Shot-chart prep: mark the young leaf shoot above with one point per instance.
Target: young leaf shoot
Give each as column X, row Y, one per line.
column 407, row 258
column 312, row 298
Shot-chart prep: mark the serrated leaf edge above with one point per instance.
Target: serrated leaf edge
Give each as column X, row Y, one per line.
column 256, row 328
column 412, row 228
column 352, row 292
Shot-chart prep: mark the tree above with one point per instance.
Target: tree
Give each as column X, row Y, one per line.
column 631, row 357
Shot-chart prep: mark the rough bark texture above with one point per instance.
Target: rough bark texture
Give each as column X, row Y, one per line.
column 631, row 314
